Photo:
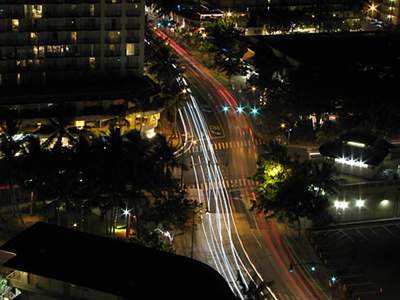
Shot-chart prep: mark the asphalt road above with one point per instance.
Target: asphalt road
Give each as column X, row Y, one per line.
column 236, row 242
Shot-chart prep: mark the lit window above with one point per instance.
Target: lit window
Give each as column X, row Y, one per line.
column 80, row 124
column 113, row 36
column 37, row 11
column 41, row 51
column 21, row 63
column 55, row 49
column 34, row 37
column 130, row 49
column 92, row 10
column 74, row 37
column 92, row 62
column 18, row 78
column 14, row 24
column 112, row 49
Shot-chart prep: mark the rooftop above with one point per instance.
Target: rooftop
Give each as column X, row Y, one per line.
column 358, row 145
column 112, row 266
column 101, row 89
column 340, row 48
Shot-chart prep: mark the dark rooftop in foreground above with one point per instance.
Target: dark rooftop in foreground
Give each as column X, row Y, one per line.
column 112, row 266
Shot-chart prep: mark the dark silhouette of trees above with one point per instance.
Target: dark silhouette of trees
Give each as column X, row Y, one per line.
column 290, row 189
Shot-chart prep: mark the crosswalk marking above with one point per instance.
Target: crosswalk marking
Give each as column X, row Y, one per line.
column 230, row 145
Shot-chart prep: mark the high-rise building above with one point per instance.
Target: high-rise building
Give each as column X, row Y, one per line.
column 55, row 40
column 77, row 60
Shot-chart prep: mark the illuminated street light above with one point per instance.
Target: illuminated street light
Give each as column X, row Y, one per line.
column 126, row 212
column 229, row 14
column 253, row 88
column 360, row 203
column 204, row 35
column 384, row 203
column 372, row 8
column 341, row 205
column 283, row 125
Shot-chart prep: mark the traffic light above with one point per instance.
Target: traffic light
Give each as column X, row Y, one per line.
column 380, row 291
column 291, row 268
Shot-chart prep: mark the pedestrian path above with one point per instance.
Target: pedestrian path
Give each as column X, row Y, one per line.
column 236, row 183
column 231, row 144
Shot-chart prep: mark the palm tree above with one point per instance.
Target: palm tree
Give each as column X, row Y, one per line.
column 60, row 125
column 35, row 161
column 10, row 146
column 175, row 97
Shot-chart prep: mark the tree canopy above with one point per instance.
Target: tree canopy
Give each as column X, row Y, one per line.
column 290, row 189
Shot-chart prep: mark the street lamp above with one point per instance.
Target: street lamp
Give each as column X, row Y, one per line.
column 204, row 35
column 225, row 108
column 372, row 8
column 360, row 203
column 127, row 213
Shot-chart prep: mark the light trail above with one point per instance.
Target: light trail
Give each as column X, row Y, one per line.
column 219, row 229
column 226, row 259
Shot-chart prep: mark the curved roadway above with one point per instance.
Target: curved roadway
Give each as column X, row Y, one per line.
column 222, row 150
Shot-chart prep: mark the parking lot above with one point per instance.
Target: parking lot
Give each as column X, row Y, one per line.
column 364, row 256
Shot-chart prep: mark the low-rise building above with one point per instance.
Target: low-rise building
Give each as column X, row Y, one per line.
column 47, row 262
column 92, row 106
column 389, row 12
column 367, row 182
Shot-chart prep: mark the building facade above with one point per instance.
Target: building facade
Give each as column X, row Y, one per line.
column 367, row 176
column 389, row 12
column 237, row 4
column 82, row 60
column 42, row 41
